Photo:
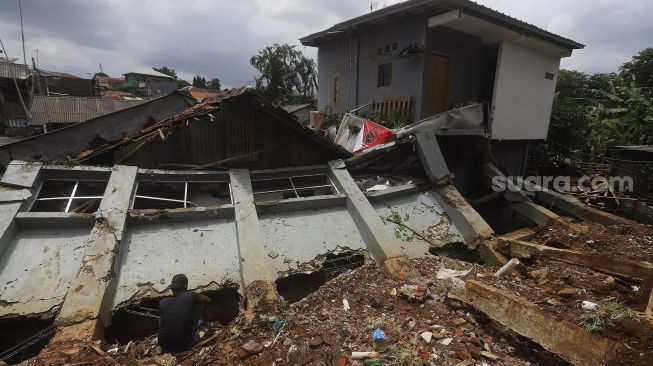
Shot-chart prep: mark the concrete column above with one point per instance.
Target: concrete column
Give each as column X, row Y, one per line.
column 432, row 159
column 382, row 245
column 86, row 308
column 470, row 224
column 19, row 174
column 477, row 233
column 257, row 274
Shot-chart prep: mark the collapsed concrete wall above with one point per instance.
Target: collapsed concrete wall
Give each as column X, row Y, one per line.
column 92, row 253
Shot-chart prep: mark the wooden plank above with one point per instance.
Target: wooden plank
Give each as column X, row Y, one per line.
column 620, row 267
column 526, row 233
column 649, row 309
column 558, row 336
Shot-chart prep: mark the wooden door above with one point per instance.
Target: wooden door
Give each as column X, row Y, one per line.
column 437, row 86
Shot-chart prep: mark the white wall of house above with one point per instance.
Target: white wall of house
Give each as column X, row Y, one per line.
column 523, row 95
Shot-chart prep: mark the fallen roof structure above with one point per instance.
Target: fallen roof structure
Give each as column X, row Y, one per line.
column 69, row 141
column 240, row 129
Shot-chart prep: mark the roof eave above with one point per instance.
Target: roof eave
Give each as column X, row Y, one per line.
column 318, row 38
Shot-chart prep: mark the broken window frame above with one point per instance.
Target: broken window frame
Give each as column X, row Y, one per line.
column 294, row 189
column 61, row 198
column 185, row 201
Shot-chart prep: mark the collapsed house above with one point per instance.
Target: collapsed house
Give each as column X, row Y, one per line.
column 89, row 249
column 259, row 211
column 97, row 229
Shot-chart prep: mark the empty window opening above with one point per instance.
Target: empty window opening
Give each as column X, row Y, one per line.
column 23, row 338
column 292, row 187
column 69, row 196
column 167, row 195
column 137, row 322
column 385, row 74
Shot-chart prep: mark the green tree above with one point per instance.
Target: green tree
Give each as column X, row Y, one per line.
column 214, row 83
column 181, row 83
column 199, row 81
column 166, row 70
column 621, row 115
column 286, row 75
column 640, row 68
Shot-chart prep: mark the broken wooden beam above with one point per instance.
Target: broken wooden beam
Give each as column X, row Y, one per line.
column 649, row 309
column 558, row 336
column 642, row 271
column 526, row 233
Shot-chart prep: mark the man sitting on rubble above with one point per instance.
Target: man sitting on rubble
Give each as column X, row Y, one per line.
column 180, row 316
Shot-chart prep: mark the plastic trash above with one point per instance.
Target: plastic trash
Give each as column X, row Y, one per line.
column 345, row 304
column 363, row 355
column 589, row 305
column 379, row 340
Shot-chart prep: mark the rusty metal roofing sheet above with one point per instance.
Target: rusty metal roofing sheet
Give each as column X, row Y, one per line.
column 50, row 109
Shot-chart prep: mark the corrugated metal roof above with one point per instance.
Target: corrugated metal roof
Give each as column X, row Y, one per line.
column 295, row 107
column 49, row 109
column 412, row 7
column 10, row 70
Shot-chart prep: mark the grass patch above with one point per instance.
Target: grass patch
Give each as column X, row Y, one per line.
column 591, row 321
column 618, row 310
column 610, row 309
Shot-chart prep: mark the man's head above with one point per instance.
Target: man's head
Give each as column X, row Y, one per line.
column 179, row 283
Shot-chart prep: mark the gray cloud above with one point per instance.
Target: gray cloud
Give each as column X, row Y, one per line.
column 217, row 38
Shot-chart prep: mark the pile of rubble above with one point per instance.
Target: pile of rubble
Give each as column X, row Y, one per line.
column 326, row 327
column 423, row 326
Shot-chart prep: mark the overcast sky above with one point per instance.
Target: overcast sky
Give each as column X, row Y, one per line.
column 217, row 38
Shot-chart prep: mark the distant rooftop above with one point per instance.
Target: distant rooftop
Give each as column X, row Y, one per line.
column 149, row 72
column 50, row 109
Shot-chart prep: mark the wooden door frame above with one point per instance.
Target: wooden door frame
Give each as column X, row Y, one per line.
column 425, row 90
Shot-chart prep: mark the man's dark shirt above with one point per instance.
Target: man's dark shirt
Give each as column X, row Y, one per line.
column 179, row 316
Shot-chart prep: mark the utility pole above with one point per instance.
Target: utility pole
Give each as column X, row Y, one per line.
column 37, row 57
column 22, row 33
